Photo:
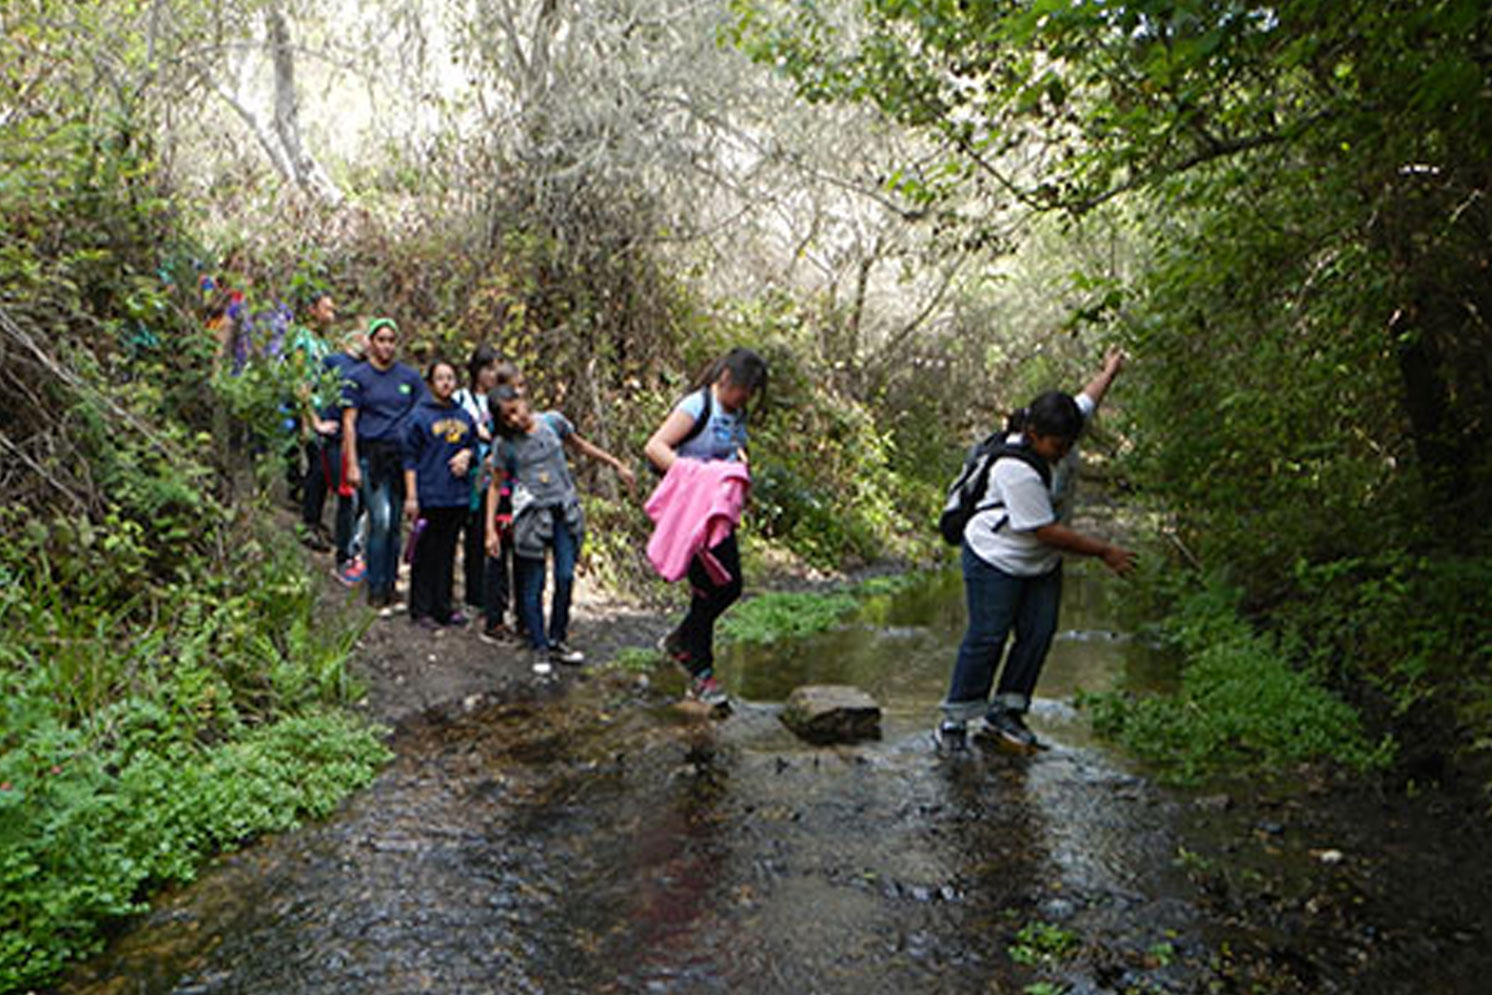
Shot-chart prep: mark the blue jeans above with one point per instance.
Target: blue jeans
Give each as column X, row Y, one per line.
column 999, row 603
column 383, row 497
column 530, row 576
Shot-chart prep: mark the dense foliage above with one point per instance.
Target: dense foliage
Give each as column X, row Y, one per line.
column 169, row 684
column 1307, row 185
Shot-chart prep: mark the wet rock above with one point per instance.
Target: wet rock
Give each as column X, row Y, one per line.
column 832, row 713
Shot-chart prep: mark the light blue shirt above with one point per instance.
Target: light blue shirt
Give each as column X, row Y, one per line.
column 722, row 436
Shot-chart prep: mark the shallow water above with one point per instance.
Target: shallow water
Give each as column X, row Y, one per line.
column 615, row 843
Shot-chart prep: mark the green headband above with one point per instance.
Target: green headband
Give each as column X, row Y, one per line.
column 377, row 323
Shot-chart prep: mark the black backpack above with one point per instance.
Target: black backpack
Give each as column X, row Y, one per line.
column 708, row 396
column 970, row 484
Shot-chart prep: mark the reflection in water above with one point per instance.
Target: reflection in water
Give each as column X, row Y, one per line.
column 901, row 649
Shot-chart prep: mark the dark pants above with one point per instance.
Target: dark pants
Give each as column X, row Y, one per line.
column 530, row 576
column 431, row 575
column 323, row 454
column 474, row 557
column 499, row 588
column 710, row 600
column 324, row 477
column 999, row 603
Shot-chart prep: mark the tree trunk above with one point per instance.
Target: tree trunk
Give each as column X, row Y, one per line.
column 304, row 168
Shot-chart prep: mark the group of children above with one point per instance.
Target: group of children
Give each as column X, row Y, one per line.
column 422, row 464
column 479, row 461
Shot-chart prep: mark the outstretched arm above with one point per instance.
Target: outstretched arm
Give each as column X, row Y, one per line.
column 595, row 452
column 1116, row 558
column 1113, row 362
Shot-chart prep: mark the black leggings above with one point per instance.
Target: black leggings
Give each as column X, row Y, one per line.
column 697, row 632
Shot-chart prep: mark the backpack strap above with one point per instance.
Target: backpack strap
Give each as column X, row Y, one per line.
column 1006, row 450
column 707, row 398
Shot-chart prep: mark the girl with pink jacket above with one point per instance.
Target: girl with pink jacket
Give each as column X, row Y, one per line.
column 709, row 426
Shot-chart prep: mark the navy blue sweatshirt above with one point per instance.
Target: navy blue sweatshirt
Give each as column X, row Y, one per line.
column 433, row 433
column 382, row 397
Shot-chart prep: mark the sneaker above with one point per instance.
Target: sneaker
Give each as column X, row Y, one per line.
column 456, row 620
column 351, row 573
column 541, row 665
column 427, row 623
column 1007, row 728
column 951, row 737
column 497, row 634
column 314, row 539
column 707, row 691
column 566, row 654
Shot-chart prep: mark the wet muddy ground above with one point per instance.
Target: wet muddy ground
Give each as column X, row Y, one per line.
column 588, row 835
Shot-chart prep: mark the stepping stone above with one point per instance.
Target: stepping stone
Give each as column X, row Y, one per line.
column 832, row 713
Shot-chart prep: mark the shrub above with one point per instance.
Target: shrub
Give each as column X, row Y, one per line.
column 1241, row 704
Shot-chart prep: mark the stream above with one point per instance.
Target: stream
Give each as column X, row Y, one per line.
column 609, row 841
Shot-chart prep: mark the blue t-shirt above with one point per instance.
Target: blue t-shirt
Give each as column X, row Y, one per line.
column 723, row 434
column 433, row 433
column 334, row 369
column 383, row 398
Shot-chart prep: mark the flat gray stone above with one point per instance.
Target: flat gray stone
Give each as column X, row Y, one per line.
column 832, row 713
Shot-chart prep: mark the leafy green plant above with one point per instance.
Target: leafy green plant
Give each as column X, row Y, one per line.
column 86, row 829
column 146, row 723
column 1241, row 705
column 1042, row 943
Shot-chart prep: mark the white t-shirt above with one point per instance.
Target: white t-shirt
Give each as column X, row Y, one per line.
column 1005, row 536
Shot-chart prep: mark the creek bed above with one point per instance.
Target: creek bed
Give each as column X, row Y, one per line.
column 610, row 842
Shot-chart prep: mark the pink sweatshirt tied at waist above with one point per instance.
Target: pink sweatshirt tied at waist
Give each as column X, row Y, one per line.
column 695, row 507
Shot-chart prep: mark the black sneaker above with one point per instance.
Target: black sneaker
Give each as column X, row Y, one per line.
column 951, row 737
column 314, row 538
column 1007, row 728
column 704, row 689
column 566, row 654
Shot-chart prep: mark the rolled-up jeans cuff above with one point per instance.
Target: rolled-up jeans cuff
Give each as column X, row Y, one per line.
column 1011, row 701
column 963, row 711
